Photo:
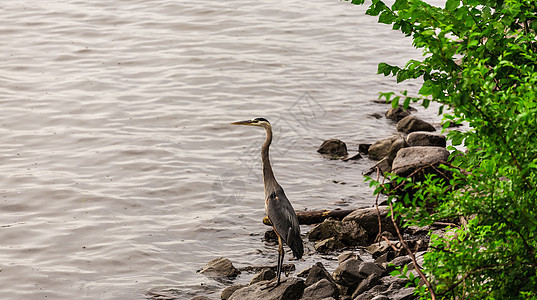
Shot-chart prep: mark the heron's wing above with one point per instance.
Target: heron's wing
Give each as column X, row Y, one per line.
column 283, row 218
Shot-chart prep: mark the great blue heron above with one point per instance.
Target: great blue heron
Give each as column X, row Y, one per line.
column 278, row 209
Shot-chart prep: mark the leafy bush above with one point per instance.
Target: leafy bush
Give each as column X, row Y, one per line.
column 480, row 62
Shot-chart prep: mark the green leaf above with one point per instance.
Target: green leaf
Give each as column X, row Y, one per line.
column 451, row 5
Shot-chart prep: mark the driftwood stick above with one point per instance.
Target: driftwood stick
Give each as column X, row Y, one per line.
column 316, row 216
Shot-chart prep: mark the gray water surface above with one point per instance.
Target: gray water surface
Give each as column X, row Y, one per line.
column 119, row 172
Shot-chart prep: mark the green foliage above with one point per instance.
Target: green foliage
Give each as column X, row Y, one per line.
column 479, row 61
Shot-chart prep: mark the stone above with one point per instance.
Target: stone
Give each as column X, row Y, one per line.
column 368, row 219
column 425, row 139
column 200, row 298
column 289, row 289
column 265, row 274
column 403, row 294
column 220, row 267
column 318, row 273
column 412, row 123
column 356, row 156
column 380, row 297
column 328, row 245
column 227, row 292
column 364, row 148
column 411, row 159
column 333, row 147
column 380, row 248
column 343, row 232
column 372, row 293
column 347, row 255
column 399, row 261
column 382, row 148
column 368, row 268
column 398, row 113
column 348, row 273
column 366, row 284
column 320, row 290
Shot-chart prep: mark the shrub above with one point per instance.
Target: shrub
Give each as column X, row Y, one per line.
column 479, row 62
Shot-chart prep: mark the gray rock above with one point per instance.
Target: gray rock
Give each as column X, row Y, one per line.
column 382, row 148
column 366, row 284
column 364, row 148
column 328, row 245
column 321, row 289
column 265, row 274
column 289, row 289
column 372, row 293
column 200, row 298
column 227, row 292
column 378, row 249
column 410, row 159
column 397, row 113
column 380, row 297
column 348, row 273
column 368, row 218
column 368, row 268
column 347, row 255
column 389, row 280
column 318, row 273
column 403, row 294
column 220, row 267
column 333, row 147
column 345, row 232
column 425, row 139
column 399, row 261
column 412, row 123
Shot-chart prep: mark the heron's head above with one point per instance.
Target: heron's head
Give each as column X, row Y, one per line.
column 260, row 122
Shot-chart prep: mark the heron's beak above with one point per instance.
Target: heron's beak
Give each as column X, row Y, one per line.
column 248, row 122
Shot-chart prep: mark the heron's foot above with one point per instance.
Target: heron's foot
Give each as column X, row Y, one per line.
column 272, row 284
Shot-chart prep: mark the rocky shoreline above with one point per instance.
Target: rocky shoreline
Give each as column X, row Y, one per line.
column 363, row 277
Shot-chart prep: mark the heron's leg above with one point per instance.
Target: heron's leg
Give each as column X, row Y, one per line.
column 281, row 253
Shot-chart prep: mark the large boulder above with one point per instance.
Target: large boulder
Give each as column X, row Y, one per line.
column 348, row 273
column 227, row 292
column 320, row 290
column 333, row 147
column 318, row 273
column 412, row 123
column 411, row 159
column 289, row 289
column 220, row 267
column 368, row 218
column 347, row 232
column 385, row 147
column 425, row 139
column 397, row 113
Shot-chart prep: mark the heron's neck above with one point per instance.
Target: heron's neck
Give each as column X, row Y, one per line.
column 268, row 176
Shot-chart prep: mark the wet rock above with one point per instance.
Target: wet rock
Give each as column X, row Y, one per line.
column 333, row 147
column 403, row 294
column 369, row 220
column 397, row 113
column 265, row 274
column 348, row 255
column 318, row 273
column 200, row 298
column 368, row 268
column 227, row 292
column 289, row 289
column 412, row 123
column 348, row 273
column 366, row 284
column 380, row 248
column 328, row 245
column 364, row 148
column 384, row 147
column 411, row 159
column 372, row 293
column 320, row 290
column 398, row 262
column 345, row 232
column 425, row 139
column 220, row 267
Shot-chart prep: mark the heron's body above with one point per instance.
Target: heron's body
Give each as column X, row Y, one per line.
column 277, row 207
